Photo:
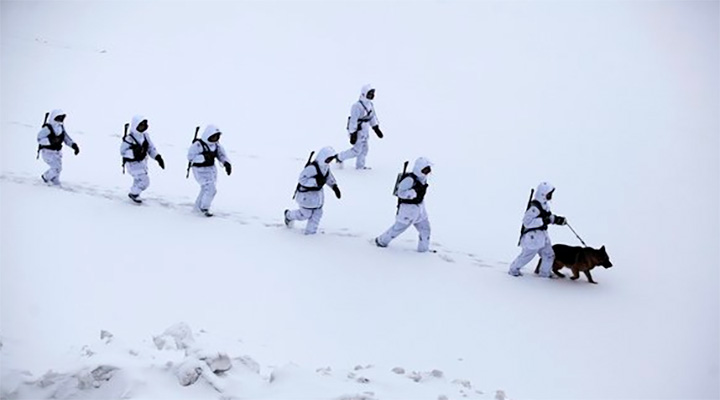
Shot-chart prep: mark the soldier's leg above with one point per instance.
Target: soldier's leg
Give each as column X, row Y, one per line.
column 141, row 180
column 54, row 160
column 394, row 231
column 206, row 177
column 314, row 221
column 525, row 256
column 300, row 214
column 548, row 259
column 361, row 154
column 350, row 153
column 209, row 192
column 423, row 228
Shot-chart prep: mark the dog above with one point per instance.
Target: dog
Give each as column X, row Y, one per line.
column 577, row 259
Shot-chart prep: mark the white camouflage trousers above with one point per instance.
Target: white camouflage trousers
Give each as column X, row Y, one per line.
column 53, row 158
column 312, row 215
column 358, row 151
column 139, row 171
column 528, row 253
column 400, row 226
column 206, row 177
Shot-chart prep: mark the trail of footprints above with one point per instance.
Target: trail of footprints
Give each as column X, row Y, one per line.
column 185, row 205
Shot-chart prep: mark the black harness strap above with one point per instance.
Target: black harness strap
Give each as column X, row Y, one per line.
column 319, row 177
column 368, row 115
column 140, row 151
column 208, row 154
column 56, row 141
column 543, row 215
column 419, row 188
column 366, row 118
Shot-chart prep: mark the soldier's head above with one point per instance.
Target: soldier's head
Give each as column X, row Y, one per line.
column 326, row 155
column 140, row 123
column 544, row 191
column 214, row 137
column 423, row 166
column 368, row 92
column 57, row 116
column 211, row 134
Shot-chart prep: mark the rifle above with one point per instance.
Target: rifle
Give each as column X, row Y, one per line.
column 522, row 226
column 123, row 138
column 187, row 174
column 399, row 178
column 47, row 114
column 309, row 161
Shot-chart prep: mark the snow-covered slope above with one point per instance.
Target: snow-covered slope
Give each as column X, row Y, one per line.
column 602, row 99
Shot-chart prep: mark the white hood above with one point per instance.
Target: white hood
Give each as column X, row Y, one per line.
column 322, row 155
column 57, row 126
column 421, row 163
column 541, row 194
column 364, row 91
column 209, row 131
column 136, row 120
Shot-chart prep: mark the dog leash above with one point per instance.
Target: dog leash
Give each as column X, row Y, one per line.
column 576, row 235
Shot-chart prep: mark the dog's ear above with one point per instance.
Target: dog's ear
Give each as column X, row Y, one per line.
column 603, row 248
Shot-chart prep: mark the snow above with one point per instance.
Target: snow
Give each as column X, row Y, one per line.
column 615, row 103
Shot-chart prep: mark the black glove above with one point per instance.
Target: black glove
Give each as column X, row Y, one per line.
column 336, row 189
column 228, row 167
column 160, row 161
column 378, row 132
column 546, row 219
column 353, row 138
column 560, row 220
column 76, row 148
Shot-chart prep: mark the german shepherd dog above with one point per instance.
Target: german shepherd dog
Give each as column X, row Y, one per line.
column 577, row 259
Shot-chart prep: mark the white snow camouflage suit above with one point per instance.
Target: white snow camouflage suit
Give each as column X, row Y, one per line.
column 410, row 214
column 311, row 201
column 134, row 149
column 51, row 146
column 362, row 116
column 537, row 240
column 203, row 167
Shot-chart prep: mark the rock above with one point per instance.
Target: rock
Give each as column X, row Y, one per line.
column 95, row 378
column 189, row 372
column 500, row 395
column 218, row 363
column 399, row 370
column 178, row 336
column 327, row 371
column 86, row 351
column 47, row 379
column 442, row 397
column 436, row 373
column 106, row 335
column 416, row 376
column 103, row 372
column 464, row 383
column 160, row 342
